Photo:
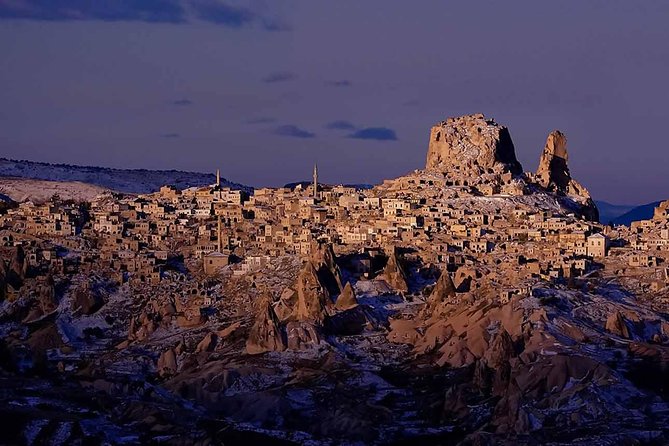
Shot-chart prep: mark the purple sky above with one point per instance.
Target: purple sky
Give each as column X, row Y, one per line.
column 262, row 89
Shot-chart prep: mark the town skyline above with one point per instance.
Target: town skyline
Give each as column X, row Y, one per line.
column 263, row 85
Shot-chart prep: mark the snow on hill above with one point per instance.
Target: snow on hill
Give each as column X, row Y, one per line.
column 23, row 189
column 136, row 181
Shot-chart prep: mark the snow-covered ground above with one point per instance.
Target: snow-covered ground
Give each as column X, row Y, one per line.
column 24, row 189
column 137, row 181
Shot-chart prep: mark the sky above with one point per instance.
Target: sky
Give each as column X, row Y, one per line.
column 264, row 89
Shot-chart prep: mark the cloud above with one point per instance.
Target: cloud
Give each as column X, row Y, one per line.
column 260, row 120
column 341, row 83
column 375, row 133
column 340, row 125
column 218, row 12
column 170, row 135
column 156, row 11
column 275, row 25
column 293, row 131
column 279, row 76
column 182, row 102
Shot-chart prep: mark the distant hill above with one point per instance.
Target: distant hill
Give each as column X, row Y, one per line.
column 138, row 181
column 608, row 212
column 643, row 212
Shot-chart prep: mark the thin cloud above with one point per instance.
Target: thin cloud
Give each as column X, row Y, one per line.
column 151, row 11
column 182, row 102
column 275, row 25
column 293, row 131
column 341, row 83
column 279, row 76
column 375, row 133
column 340, row 125
column 222, row 14
column 170, row 135
column 155, row 11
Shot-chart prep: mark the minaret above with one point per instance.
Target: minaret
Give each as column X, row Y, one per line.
column 218, row 183
column 219, row 243
column 315, row 181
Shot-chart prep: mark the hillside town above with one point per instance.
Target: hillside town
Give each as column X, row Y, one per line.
column 182, row 277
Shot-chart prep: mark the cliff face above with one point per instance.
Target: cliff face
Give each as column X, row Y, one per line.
column 471, row 144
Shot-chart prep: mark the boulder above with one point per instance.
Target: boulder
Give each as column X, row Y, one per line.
column 167, row 362
column 616, row 325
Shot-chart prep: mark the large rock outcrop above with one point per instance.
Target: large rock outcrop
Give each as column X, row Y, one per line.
column 471, row 144
column 553, row 174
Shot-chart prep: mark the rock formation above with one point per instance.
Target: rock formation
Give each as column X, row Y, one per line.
column 346, row 299
column 18, row 268
column 207, row 344
column 443, row 290
column 324, row 260
column 616, row 324
column 86, row 301
column 46, row 302
column 313, row 298
column 394, row 274
column 167, row 363
column 266, row 334
column 471, row 144
column 553, row 174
